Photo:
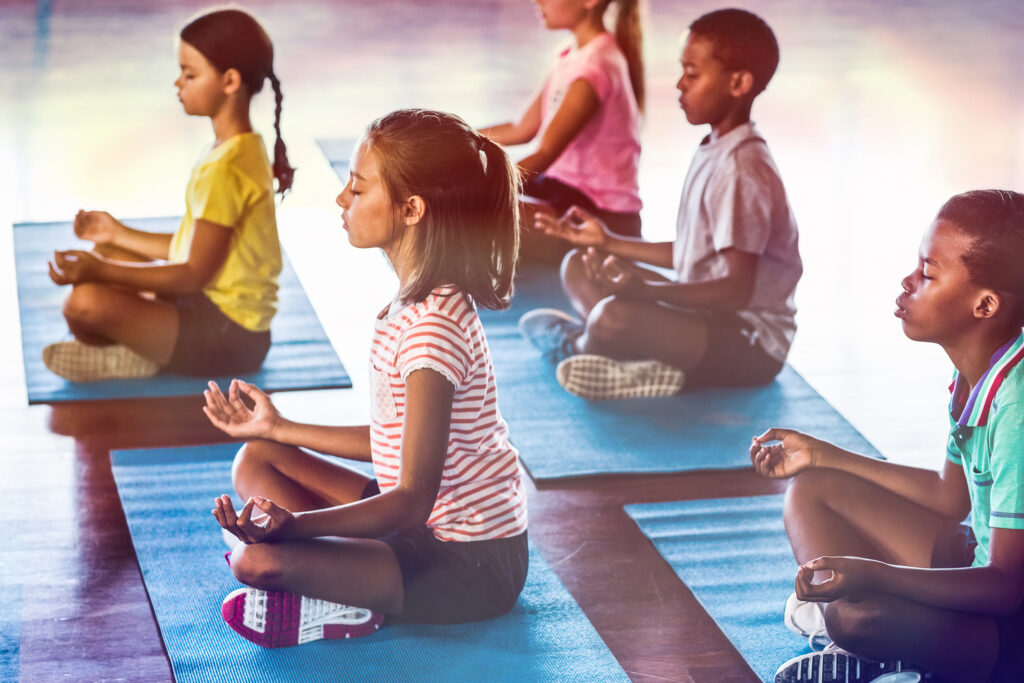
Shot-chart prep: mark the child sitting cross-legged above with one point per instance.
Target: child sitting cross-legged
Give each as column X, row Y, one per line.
column 887, row 570
column 726, row 316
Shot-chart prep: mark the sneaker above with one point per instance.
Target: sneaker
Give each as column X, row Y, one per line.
column 806, row 619
column 279, row 619
column 551, row 331
column 835, row 665
column 79, row 362
column 599, row 378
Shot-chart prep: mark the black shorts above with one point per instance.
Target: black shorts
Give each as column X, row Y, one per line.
column 561, row 197
column 955, row 548
column 210, row 344
column 449, row 582
column 733, row 357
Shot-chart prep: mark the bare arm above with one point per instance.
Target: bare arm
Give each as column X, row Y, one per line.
column 232, row 416
column 209, row 249
column 577, row 107
column 518, row 132
column 996, row 588
column 424, row 448
column 104, row 230
column 944, row 493
column 582, row 229
column 729, row 293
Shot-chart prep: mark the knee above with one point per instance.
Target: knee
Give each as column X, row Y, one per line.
column 259, row 565
column 86, row 304
column 253, row 455
column 571, row 270
column 808, row 489
column 611, row 318
column 852, row 621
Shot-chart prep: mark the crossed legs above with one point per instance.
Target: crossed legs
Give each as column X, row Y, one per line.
column 351, row 571
column 828, row 512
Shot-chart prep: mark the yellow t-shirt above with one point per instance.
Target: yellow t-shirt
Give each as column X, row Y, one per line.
column 233, row 186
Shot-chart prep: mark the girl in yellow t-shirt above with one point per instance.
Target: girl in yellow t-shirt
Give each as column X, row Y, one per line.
column 198, row 301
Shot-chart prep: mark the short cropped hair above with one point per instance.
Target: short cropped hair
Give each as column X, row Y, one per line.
column 994, row 222
column 742, row 42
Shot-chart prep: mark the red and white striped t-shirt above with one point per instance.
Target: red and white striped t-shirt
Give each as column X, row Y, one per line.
column 481, row 495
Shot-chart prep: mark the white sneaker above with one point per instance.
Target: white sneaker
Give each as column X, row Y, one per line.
column 599, row 378
column 806, row 619
column 79, row 362
column 279, row 619
column 835, row 665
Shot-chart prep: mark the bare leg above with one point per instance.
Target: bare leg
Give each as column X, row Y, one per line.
column 293, row 478
column 957, row 646
column 352, row 571
column 833, row 513
column 98, row 313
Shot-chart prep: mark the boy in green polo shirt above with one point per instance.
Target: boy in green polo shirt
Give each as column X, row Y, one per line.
column 887, row 572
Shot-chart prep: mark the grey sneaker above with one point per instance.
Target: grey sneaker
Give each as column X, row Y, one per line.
column 551, row 331
column 79, row 362
column 600, row 378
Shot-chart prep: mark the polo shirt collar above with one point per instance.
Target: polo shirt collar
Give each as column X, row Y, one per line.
column 979, row 403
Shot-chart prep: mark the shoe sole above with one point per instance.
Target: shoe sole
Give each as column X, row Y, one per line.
column 281, row 621
column 598, row 378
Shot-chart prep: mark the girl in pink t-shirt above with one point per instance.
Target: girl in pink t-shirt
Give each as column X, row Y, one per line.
column 587, row 116
column 439, row 534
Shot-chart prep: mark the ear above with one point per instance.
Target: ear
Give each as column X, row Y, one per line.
column 231, row 81
column 987, row 304
column 741, row 83
column 413, row 210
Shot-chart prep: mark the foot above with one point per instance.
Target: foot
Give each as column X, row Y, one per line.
column 552, row 332
column 835, row 665
column 79, row 362
column 599, row 378
column 279, row 619
column 806, row 619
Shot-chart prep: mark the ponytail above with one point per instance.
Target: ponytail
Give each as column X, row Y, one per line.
column 231, row 38
column 282, row 170
column 630, row 39
column 469, row 234
column 501, row 196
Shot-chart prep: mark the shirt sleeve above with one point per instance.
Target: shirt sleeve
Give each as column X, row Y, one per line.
column 220, row 194
column 1006, row 427
column 593, row 72
column 436, row 342
column 742, row 200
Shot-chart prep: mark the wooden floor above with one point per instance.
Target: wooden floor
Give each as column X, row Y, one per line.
column 879, row 112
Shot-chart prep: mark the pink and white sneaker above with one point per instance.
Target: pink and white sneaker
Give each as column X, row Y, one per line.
column 279, row 619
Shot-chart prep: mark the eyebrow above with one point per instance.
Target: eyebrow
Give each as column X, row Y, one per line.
column 931, row 262
column 357, row 176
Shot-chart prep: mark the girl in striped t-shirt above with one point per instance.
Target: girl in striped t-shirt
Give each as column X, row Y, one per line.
column 439, row 535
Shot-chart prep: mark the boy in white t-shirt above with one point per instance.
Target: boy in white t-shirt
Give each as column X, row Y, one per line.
column 726, row 318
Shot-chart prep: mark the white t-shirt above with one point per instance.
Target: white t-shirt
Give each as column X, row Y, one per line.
column 481, row 495
column 733, row 197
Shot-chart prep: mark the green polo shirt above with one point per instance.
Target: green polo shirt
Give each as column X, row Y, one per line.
column 986, row 437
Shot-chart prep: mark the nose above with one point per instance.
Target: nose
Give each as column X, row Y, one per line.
column 341, row 200
column 679, row 84
column 907, row 283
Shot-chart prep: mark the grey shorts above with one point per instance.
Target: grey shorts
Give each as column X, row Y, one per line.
column 733, row 357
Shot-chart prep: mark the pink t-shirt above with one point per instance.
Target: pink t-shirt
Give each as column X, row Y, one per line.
column 482, row 494
column 601, row 161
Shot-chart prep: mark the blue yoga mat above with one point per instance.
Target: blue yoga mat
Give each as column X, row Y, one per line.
column 300, row 356
column 167, row 496
column 561, row 435
column 732, row 553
